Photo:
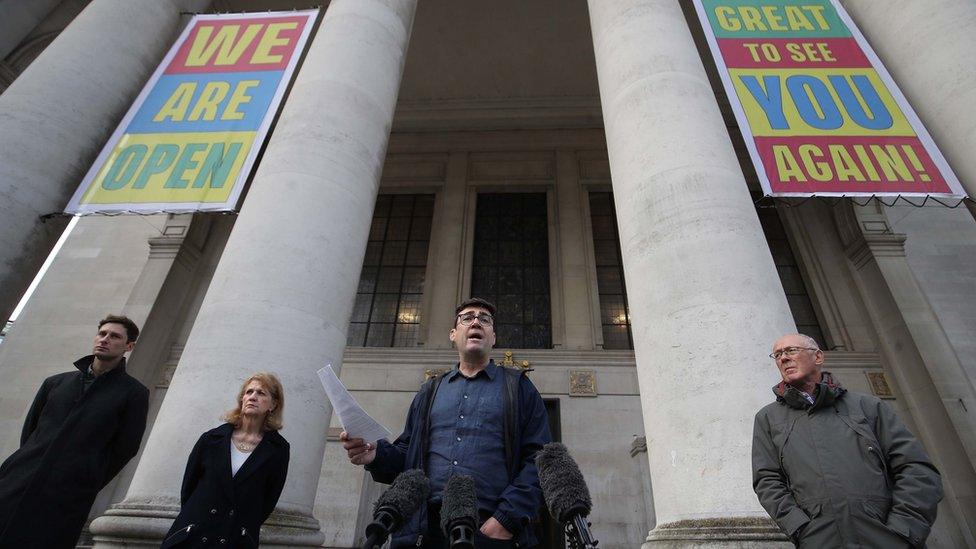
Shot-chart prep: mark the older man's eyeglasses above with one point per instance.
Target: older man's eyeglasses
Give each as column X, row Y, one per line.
column 467, row 318
column 789, row 351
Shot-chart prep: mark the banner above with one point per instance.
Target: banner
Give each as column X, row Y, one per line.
column 190, row 139
column 817, row 109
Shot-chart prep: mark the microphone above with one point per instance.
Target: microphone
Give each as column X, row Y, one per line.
column 459, row 512
column 566, row 493
column 403, row 499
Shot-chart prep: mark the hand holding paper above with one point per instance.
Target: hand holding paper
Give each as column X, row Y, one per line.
column 354, row 419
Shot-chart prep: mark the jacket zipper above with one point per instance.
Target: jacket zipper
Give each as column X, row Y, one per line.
column 884, row 465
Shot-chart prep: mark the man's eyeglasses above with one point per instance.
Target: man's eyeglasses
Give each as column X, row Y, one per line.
column 789, row 351
column 467, row 318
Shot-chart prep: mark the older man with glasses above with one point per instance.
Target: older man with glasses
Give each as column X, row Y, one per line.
column 835, row 468
column 478, row 419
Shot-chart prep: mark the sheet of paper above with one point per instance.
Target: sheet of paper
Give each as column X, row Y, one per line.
column 354, row 419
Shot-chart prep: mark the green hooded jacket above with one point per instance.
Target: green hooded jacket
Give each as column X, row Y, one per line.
column 842, row 472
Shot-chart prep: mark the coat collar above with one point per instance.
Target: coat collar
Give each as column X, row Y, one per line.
column 270, row 444
column 826, row 393
column 85, row 362
column 490, row 370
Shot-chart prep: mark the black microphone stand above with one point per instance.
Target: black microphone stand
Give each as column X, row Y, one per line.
column 384, row 522
column 578, row 532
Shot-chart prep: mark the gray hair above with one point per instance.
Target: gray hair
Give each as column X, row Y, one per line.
column 810, row 341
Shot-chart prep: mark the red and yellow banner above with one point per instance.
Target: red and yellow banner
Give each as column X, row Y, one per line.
column 816, row 107
column 189, row 141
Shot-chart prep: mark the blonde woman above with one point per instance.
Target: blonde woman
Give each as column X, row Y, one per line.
column 235, row 472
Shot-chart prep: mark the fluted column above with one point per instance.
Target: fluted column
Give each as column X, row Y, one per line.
column 57, row 115
column 927, row 46
column 705, row 300
column 281, row 296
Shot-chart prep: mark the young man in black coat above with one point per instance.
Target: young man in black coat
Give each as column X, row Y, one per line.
column 80, row 431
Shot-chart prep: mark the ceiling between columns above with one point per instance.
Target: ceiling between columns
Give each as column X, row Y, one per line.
column 491, row 64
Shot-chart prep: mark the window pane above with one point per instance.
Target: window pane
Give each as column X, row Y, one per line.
column 391, row 285
column 609, row 273
column 612, row 309
column 413, row 280
column 409, row 312
column 486, row 280
column 609, row 281
column 534, row 225
column 406, row 335
column 380, row 335
column 378, row 229
column 373, row 252
column 510, row 280
column 389, row 280
column 402, row 205
column 360, row 310
column 601, row 204
column 367, row 280
column 509, row 309
column 510, row 253
column 394, row 252
column 616, row 337
column 417, row 253
column 605, row 252
column 536, row 280
column 382, row 208
column 420, row 230
column 384, row 308
column 357, row 334
column 399, row 228
column 509, row 231
column 603, row 228
column 511, row 266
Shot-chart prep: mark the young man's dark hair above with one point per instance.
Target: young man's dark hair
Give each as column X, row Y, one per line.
column 475, row 302
column 131, row 330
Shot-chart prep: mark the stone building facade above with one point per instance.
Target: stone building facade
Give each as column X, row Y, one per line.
column 574, row 161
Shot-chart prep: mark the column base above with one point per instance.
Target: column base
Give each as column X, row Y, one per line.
column 143, row 526
column 726, row 533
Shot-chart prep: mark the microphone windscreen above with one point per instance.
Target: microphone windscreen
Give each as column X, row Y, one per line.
column 460, row 502
column 406, row 495
column 562, row 483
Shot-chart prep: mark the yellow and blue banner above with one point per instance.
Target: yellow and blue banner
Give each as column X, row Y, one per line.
column 817, row 109
column 189, row 141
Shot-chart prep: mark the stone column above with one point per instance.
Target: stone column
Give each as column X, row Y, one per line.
column 709, row 303
column 58, row 114
column 927, row 47
column 281, row 296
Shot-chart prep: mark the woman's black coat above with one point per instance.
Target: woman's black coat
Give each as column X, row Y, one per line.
column 218, row 506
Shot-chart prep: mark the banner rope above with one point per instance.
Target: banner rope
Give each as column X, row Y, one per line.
column 771, row 201
column 56, row 215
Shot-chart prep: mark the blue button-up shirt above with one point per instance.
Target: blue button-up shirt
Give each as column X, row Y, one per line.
column 466, row 434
